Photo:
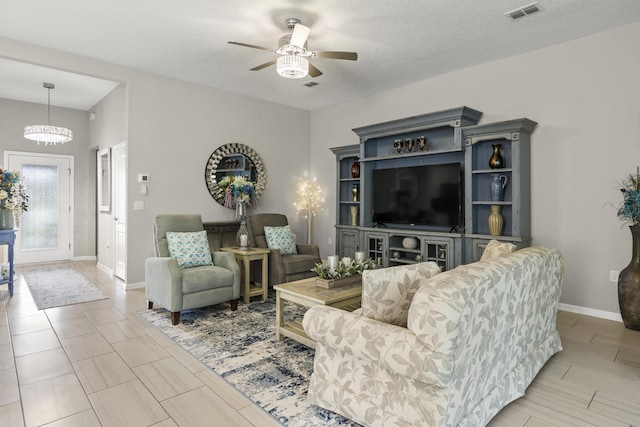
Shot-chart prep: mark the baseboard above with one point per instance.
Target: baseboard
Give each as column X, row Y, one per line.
column 84, row 258
column 609, row 315
column 129, row 286
column 105, row 269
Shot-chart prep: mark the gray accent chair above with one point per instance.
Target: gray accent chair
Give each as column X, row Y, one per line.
column 176, row 289
column 282, row 268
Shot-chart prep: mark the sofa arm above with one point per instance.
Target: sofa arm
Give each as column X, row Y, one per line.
column 394, row 347
column 308, row 250
column 228, row 261
column 163, row 282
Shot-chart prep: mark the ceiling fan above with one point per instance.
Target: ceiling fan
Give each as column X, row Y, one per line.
column 293, row 62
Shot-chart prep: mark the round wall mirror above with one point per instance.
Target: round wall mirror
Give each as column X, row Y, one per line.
column 234, row 159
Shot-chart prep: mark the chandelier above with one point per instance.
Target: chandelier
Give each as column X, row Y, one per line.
column 47, row 133
column 292, row 66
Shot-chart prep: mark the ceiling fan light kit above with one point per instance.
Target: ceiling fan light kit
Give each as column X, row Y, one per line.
column 50, row 135
column 293, row 66
column 293, row 62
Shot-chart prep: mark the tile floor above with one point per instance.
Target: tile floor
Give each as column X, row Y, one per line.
column 99, row 364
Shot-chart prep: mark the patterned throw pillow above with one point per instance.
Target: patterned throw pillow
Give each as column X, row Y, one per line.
column 281, row 238
column 387, row 292
column 190, row 249
column 495, row 249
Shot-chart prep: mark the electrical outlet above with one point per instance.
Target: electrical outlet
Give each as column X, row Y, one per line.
column 613, row 276
column 330, row 240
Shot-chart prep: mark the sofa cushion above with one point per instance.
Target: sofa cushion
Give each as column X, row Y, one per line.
column 387, row 293
column 204, row 278
column 281, row 238
column 190, row 249
column 495, row 249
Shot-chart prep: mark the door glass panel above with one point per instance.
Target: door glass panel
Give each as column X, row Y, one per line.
column 39, row 225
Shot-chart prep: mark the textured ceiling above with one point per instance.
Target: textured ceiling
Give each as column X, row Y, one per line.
column 398, row 42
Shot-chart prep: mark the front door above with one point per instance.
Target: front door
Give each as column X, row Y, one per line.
column 45, row 229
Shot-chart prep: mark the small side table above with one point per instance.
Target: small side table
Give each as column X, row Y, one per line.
column 244, row 258
column 8, row 237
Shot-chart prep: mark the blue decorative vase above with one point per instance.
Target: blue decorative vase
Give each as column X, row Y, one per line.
column 498, row 184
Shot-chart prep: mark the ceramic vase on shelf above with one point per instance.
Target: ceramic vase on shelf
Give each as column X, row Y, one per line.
column 629, row 285
column 497, row 187
column 354, row 191
column 355, row 168
column 496, row 221
column 354, row 215
column 6, row 219
column 496, row 161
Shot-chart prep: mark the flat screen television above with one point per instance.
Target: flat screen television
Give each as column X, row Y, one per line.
column 430, row 195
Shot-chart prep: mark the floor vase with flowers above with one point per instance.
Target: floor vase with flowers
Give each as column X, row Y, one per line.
column 629, row 285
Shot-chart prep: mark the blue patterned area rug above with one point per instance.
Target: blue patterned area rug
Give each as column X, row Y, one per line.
column 240, row 347
column 57, row 286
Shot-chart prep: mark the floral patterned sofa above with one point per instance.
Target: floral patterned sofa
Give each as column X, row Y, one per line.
column 429, row 349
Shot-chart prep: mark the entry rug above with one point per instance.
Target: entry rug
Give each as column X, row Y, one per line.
column 57, row 286
column 240, row 347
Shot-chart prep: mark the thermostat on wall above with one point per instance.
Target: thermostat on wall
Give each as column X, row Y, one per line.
column 143, row 177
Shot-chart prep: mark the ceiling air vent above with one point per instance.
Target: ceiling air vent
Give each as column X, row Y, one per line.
column 523, row 11
column 311, row 84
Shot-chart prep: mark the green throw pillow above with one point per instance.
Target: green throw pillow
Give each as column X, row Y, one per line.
column 190, row 249
column 281, row 238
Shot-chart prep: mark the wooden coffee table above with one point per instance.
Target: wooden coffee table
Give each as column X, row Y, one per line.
column 306, row 293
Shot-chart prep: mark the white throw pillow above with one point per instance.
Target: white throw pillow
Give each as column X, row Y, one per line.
column 190, row 249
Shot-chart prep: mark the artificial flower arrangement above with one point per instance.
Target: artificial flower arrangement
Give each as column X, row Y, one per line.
column 12, row 193
column 629, row 211
column 237, row 189
column 341, row 271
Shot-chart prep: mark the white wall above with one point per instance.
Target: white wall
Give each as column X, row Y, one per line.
column 173, row 127
column 108, row 129
column 585, row 96
column 15, row 115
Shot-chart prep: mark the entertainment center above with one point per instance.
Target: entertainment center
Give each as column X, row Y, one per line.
column 421, row 188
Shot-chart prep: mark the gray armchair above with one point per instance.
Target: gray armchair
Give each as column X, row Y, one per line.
column 282, row 268
column 181, row 289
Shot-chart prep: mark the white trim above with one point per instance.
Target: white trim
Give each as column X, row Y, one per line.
column 104, row 268
column 129, row 286
column 84, row 258
column 609, row 315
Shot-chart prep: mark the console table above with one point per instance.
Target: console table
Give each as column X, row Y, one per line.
column 8, row 237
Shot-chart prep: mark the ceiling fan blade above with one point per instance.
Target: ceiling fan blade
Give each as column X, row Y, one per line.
column 314, row 72
column 299, row 35
column 261, row 66
column 251, row 46
column 352, row 56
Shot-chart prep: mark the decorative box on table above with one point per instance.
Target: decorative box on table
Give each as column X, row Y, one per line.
column 334, row 283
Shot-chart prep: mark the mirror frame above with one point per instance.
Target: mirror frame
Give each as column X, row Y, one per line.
column 222, row 152
column 103, row 163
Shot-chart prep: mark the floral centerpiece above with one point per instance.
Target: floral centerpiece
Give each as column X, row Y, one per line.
column 13, row 197
column 237, row 189
column 341, row 271
column 629, row 211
